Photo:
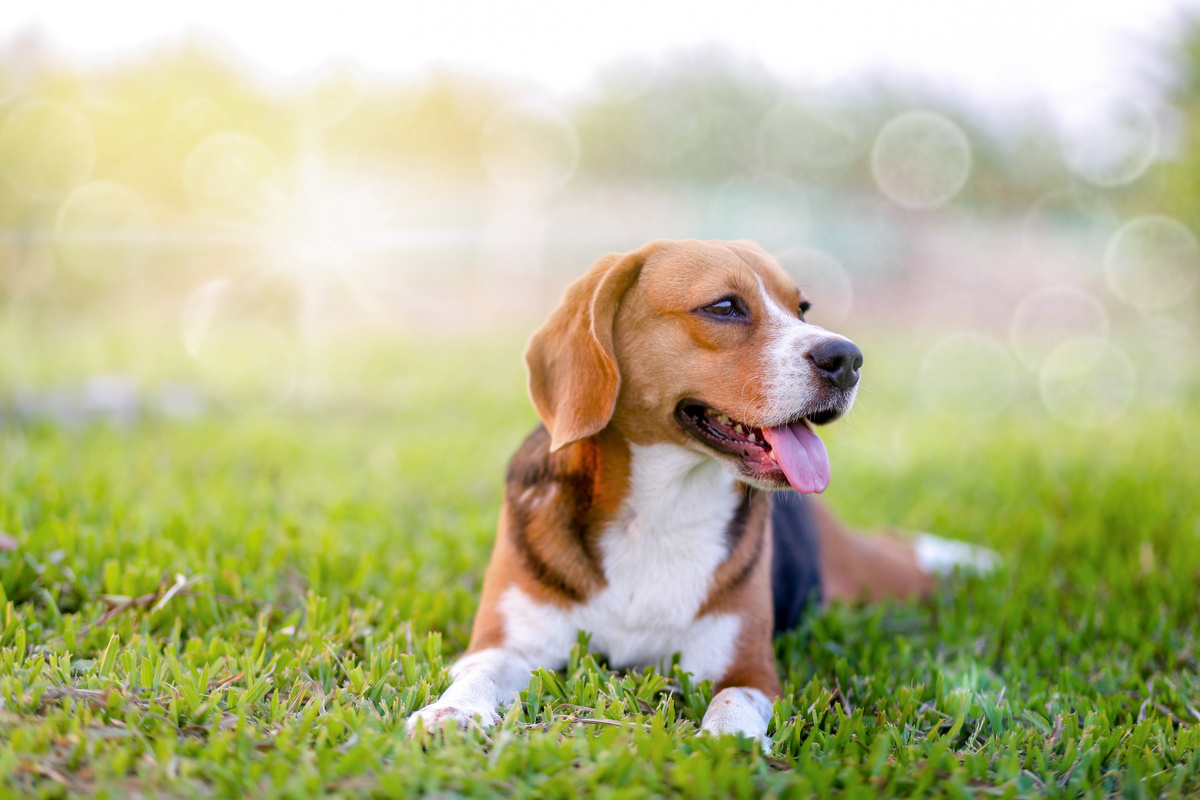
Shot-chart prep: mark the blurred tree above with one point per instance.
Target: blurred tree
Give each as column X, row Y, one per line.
column 696, row 117
column 431, row 125
column 707, row 116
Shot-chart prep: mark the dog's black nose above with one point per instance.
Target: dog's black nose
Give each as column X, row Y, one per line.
column 839, row 360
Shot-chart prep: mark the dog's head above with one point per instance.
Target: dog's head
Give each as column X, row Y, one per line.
column 700, row 344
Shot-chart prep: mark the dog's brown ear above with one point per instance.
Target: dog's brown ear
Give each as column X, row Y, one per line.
column 573, row 375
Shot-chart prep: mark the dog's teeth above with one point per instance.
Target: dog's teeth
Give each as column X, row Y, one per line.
column 752, row 437
column 724, row 420
column 771, row 453
column 739, row 428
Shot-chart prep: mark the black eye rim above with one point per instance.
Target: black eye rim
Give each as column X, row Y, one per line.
column 805, row 307
column 735, row 311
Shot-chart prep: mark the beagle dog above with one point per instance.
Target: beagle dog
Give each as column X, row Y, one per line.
column 659, row 505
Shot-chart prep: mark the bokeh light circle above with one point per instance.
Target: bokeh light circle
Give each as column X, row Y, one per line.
column 1153, row 262
column 232, row 175
column 1111, row 154
column 921, row 160
column 46, row 149
column 968, row 374
column 824, row 282
column 103, row 230
column 529, row 149
column 812, row 135
column 1047, row 317
column 1088, row 382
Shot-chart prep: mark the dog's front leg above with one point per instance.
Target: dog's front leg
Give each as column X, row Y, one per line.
column 739, row 710
column 482, row 682
column 745, row 695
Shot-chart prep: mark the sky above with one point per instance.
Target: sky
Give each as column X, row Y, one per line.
column 1050, row 52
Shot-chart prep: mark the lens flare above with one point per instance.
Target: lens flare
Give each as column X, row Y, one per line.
column 921, row 160
column 968, row 374
column 1088, row 382
column 1048, row 317
column 46, row 150
column 326, row 228
column 1153, row 262
column 529, row 149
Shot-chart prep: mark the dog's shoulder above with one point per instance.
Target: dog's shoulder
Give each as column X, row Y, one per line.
column 550, row 516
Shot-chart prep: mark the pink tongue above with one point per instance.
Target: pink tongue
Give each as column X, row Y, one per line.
column 802, row 456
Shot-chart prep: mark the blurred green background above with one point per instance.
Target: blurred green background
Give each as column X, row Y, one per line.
column 231, row 227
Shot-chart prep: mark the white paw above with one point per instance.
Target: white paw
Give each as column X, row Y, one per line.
column 439, row 716
column 940, row 556
column 738, row 711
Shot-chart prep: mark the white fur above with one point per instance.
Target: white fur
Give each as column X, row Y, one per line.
column 738, row 710
column 658, row 556
column 940, row 556
column 792, row 382
column 482, row 682
column 538, row 495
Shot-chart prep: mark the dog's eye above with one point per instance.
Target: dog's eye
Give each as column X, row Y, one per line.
column 729, row 307
column 722, row 308
column 804, row 307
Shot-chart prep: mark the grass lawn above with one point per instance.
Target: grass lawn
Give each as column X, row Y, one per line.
column 251, row 602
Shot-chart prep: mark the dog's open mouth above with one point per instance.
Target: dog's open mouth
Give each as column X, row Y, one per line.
column 788, row 454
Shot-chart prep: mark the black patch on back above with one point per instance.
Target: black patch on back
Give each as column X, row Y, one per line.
column 795, row 563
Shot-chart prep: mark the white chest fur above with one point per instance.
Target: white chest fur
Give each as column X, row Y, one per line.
column 659, row 556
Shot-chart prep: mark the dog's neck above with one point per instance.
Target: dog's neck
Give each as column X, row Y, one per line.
column 672, row 488
column 661, row 550
column 649, row 488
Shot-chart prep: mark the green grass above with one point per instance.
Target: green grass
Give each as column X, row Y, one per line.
column 251, row 603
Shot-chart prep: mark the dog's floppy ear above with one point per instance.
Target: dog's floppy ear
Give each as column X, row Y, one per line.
column 573, row 375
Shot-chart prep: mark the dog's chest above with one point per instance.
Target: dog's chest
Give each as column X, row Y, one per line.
column 659, row 556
